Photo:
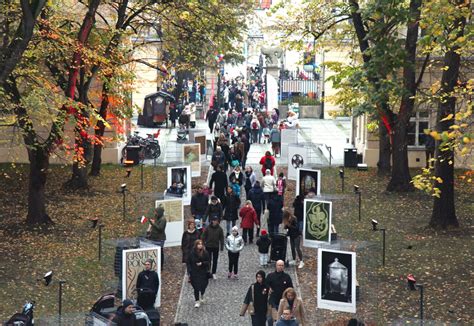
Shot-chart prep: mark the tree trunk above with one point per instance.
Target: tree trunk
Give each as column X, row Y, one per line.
column 99, row 132
column 444, row 210
column 401, row 180
column 385, row 152
column 39, row 164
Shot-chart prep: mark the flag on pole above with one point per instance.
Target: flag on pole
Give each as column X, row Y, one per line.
column 143, row 220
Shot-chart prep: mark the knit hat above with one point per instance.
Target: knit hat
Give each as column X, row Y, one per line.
column 235, row 228
column 126, row 303
column 263, row 232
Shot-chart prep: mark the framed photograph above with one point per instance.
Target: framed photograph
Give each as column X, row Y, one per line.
column 337, row 280
column 297, row 157
column 133, row 262
column 317, row 220
column 192, row 156
column 179, row 183
column 200, row 138
column 174, row 215
column 308, row 180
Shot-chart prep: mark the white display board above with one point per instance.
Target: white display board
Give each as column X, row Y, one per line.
column 191, row 154
column 133, row 262
column 182, row 175
column 317, row 219
column 174, row 215
column 297, row 157
column 337, row 280
column 308, row 180
column 289, row 136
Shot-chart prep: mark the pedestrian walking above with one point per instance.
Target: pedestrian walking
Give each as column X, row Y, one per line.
column 268, row 185
column 254, row 127
column 287, row 319
column 267, row 162
column 219, row 181
column 250, row 179
column 237, row 175
column 298, row 207
column 231, row 207
column 234, row 244
column 277, row 281
column 291, row 225
column 290, row 301
column 199, row 203
column 218, row 158
column 213, row 238
column 190, row 235
column 211, row 118
column 214, row 210
column 275, row 138
column 275, row 217
column 281, row 186
column 256, row 196
column 248, row 220
column 198, row 265
column 263, row 244
column 257, row 298
column 147, row 285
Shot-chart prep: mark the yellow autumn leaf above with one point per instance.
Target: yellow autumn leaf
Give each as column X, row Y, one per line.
column 448, row 117
column 439, row 180
column 435, row 135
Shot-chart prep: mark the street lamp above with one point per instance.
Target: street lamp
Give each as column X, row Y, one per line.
column 47, row 280
column 374, row 228
column 341, row 175
column 123, row 189
column 358, row 192
column 412, row 286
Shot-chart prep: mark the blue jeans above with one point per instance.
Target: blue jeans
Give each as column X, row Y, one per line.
column 228, row 225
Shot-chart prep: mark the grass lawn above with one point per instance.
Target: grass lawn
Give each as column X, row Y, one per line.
column 442, row 261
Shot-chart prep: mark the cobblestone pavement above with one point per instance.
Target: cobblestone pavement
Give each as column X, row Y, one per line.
column 224, row 297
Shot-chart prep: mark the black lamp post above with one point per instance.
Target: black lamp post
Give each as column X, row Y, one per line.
column 374, row 228
column 341, row 175
column 411, row 282
column 123, row 189
column 60, row 297
column 358, row 192
column 101, row 226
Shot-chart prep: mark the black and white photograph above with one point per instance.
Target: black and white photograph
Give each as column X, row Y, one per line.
column 337, row 280
column 179, row 183
column 308, row 180
column 317, row 220
column 297, row 157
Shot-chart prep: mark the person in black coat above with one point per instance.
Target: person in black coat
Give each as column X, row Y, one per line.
column 275, row 216
column 298, row 207
column 147, row 286
column 211, row 118
column 277, row 281
column 219, row 180
column 198, row 265
column 258, row 295
column 214, row 210
column 199, row 204
column 173, row 114
column 257, row 198
column 231, row 208
column 124, row 315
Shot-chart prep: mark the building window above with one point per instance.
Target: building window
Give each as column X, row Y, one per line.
column 416, row 128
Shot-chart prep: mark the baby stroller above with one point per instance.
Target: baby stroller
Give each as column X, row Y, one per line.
column 278, row 247
column 105, row 306
column 25, row 318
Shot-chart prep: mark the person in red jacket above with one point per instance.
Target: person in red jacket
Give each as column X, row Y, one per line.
column 249, row 218
column 267, row 162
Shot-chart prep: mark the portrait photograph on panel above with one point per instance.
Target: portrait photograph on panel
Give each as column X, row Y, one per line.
column 308, row 180
column 174, row 215
column 192, row 156
column 337, row 280
column 133, row 263
column 317, row 220
column 179, row 183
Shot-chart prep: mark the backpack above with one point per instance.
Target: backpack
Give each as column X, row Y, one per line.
column 268, row 163
column 254, row 125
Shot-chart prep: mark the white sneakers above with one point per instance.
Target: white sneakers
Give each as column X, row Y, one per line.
column 214, row 276
column 197, row 304
column 291, row 263
column 202, row 301
column 301, row 264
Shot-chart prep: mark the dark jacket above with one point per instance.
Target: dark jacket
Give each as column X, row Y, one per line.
column 123, row 319
column 158, row 229
column 257, row 198
column 278, row 282
column 198, row 274
column 148, row 280
column 199, row 204
column 263, row 244
column 213, row 237
column 187, row 243
column 274, row 207
column 293, row 230
column 231, row 207
column 239, row 179
column 291, row 322
column 214, row 211
column 218, row 158
column 298, row 208
column 260, row 297
column 219, row 180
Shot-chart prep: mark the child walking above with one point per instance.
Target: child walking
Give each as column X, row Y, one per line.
column 234, row 244
column 263, row 244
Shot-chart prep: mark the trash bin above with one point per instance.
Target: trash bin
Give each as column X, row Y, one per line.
column 350, row 157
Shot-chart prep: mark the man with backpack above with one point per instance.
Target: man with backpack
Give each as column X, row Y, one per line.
column 267, row 162
column 254, row 128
